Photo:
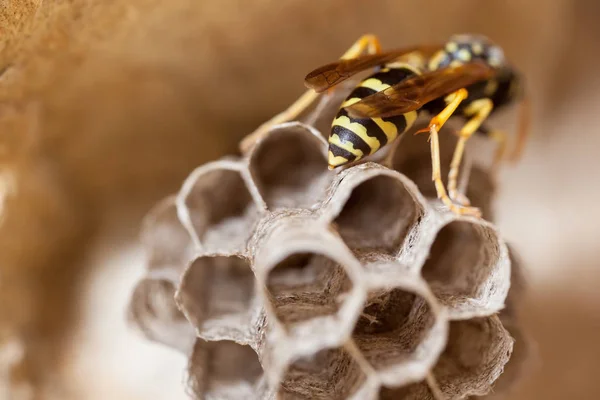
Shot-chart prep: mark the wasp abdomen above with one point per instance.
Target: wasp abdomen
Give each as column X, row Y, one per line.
column 353, row 138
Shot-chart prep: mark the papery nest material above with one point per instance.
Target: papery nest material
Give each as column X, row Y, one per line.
column 300, row 282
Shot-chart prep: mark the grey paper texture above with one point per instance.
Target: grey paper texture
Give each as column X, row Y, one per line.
column 282, row 279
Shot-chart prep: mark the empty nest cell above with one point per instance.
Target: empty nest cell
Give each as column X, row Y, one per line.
column 462, row 268
column 475, row 356
column 377, row 215
column 217, row 294
column 395, row 334
column 155, row 313
column 305, row 286
column 224, row 370
column 218, row 208
column 167, row 242
column 313, row 286
column 329, row 374
column 289, row 167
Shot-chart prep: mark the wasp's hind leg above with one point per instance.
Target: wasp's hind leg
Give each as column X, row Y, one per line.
column 479, row 111
column 291, row 113
column 369, row 43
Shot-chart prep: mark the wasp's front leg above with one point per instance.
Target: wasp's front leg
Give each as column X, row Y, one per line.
column 437, row 178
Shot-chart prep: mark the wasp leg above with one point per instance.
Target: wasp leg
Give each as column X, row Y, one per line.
column 369, row 43
column 453, row 101
column 289, row 114
column 479, row 110
column 437, row 178
column 461, row 199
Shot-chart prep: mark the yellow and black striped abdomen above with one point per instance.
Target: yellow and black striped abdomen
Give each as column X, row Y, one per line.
column 352, row 138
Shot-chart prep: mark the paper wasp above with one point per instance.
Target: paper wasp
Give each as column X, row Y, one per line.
column 468, row 76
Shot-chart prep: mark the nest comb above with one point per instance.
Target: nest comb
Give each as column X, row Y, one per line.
column 281, row 279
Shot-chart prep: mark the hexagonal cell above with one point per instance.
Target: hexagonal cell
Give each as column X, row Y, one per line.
column 305, row 286
column 289, row 167
column 153, row 310
column 378, row 212
column 414, row 391
column 327, row 374
column 477, row 351
column 167, row 243
column 400, row 332
column 467, row 269
column 313, row 284
column 217, row 207
column 224, row 370
column 217, row 294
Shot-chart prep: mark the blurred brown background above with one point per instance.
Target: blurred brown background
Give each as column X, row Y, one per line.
column 105, row 106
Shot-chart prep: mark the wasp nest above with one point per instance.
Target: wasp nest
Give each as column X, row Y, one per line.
column 282, row 279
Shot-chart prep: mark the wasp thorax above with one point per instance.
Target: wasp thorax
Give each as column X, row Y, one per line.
column 464, row 48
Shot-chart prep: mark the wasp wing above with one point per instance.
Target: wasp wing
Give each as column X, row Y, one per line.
column 414, row 92
column 332, row 74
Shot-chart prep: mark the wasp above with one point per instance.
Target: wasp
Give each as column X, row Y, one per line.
column 468, row 76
